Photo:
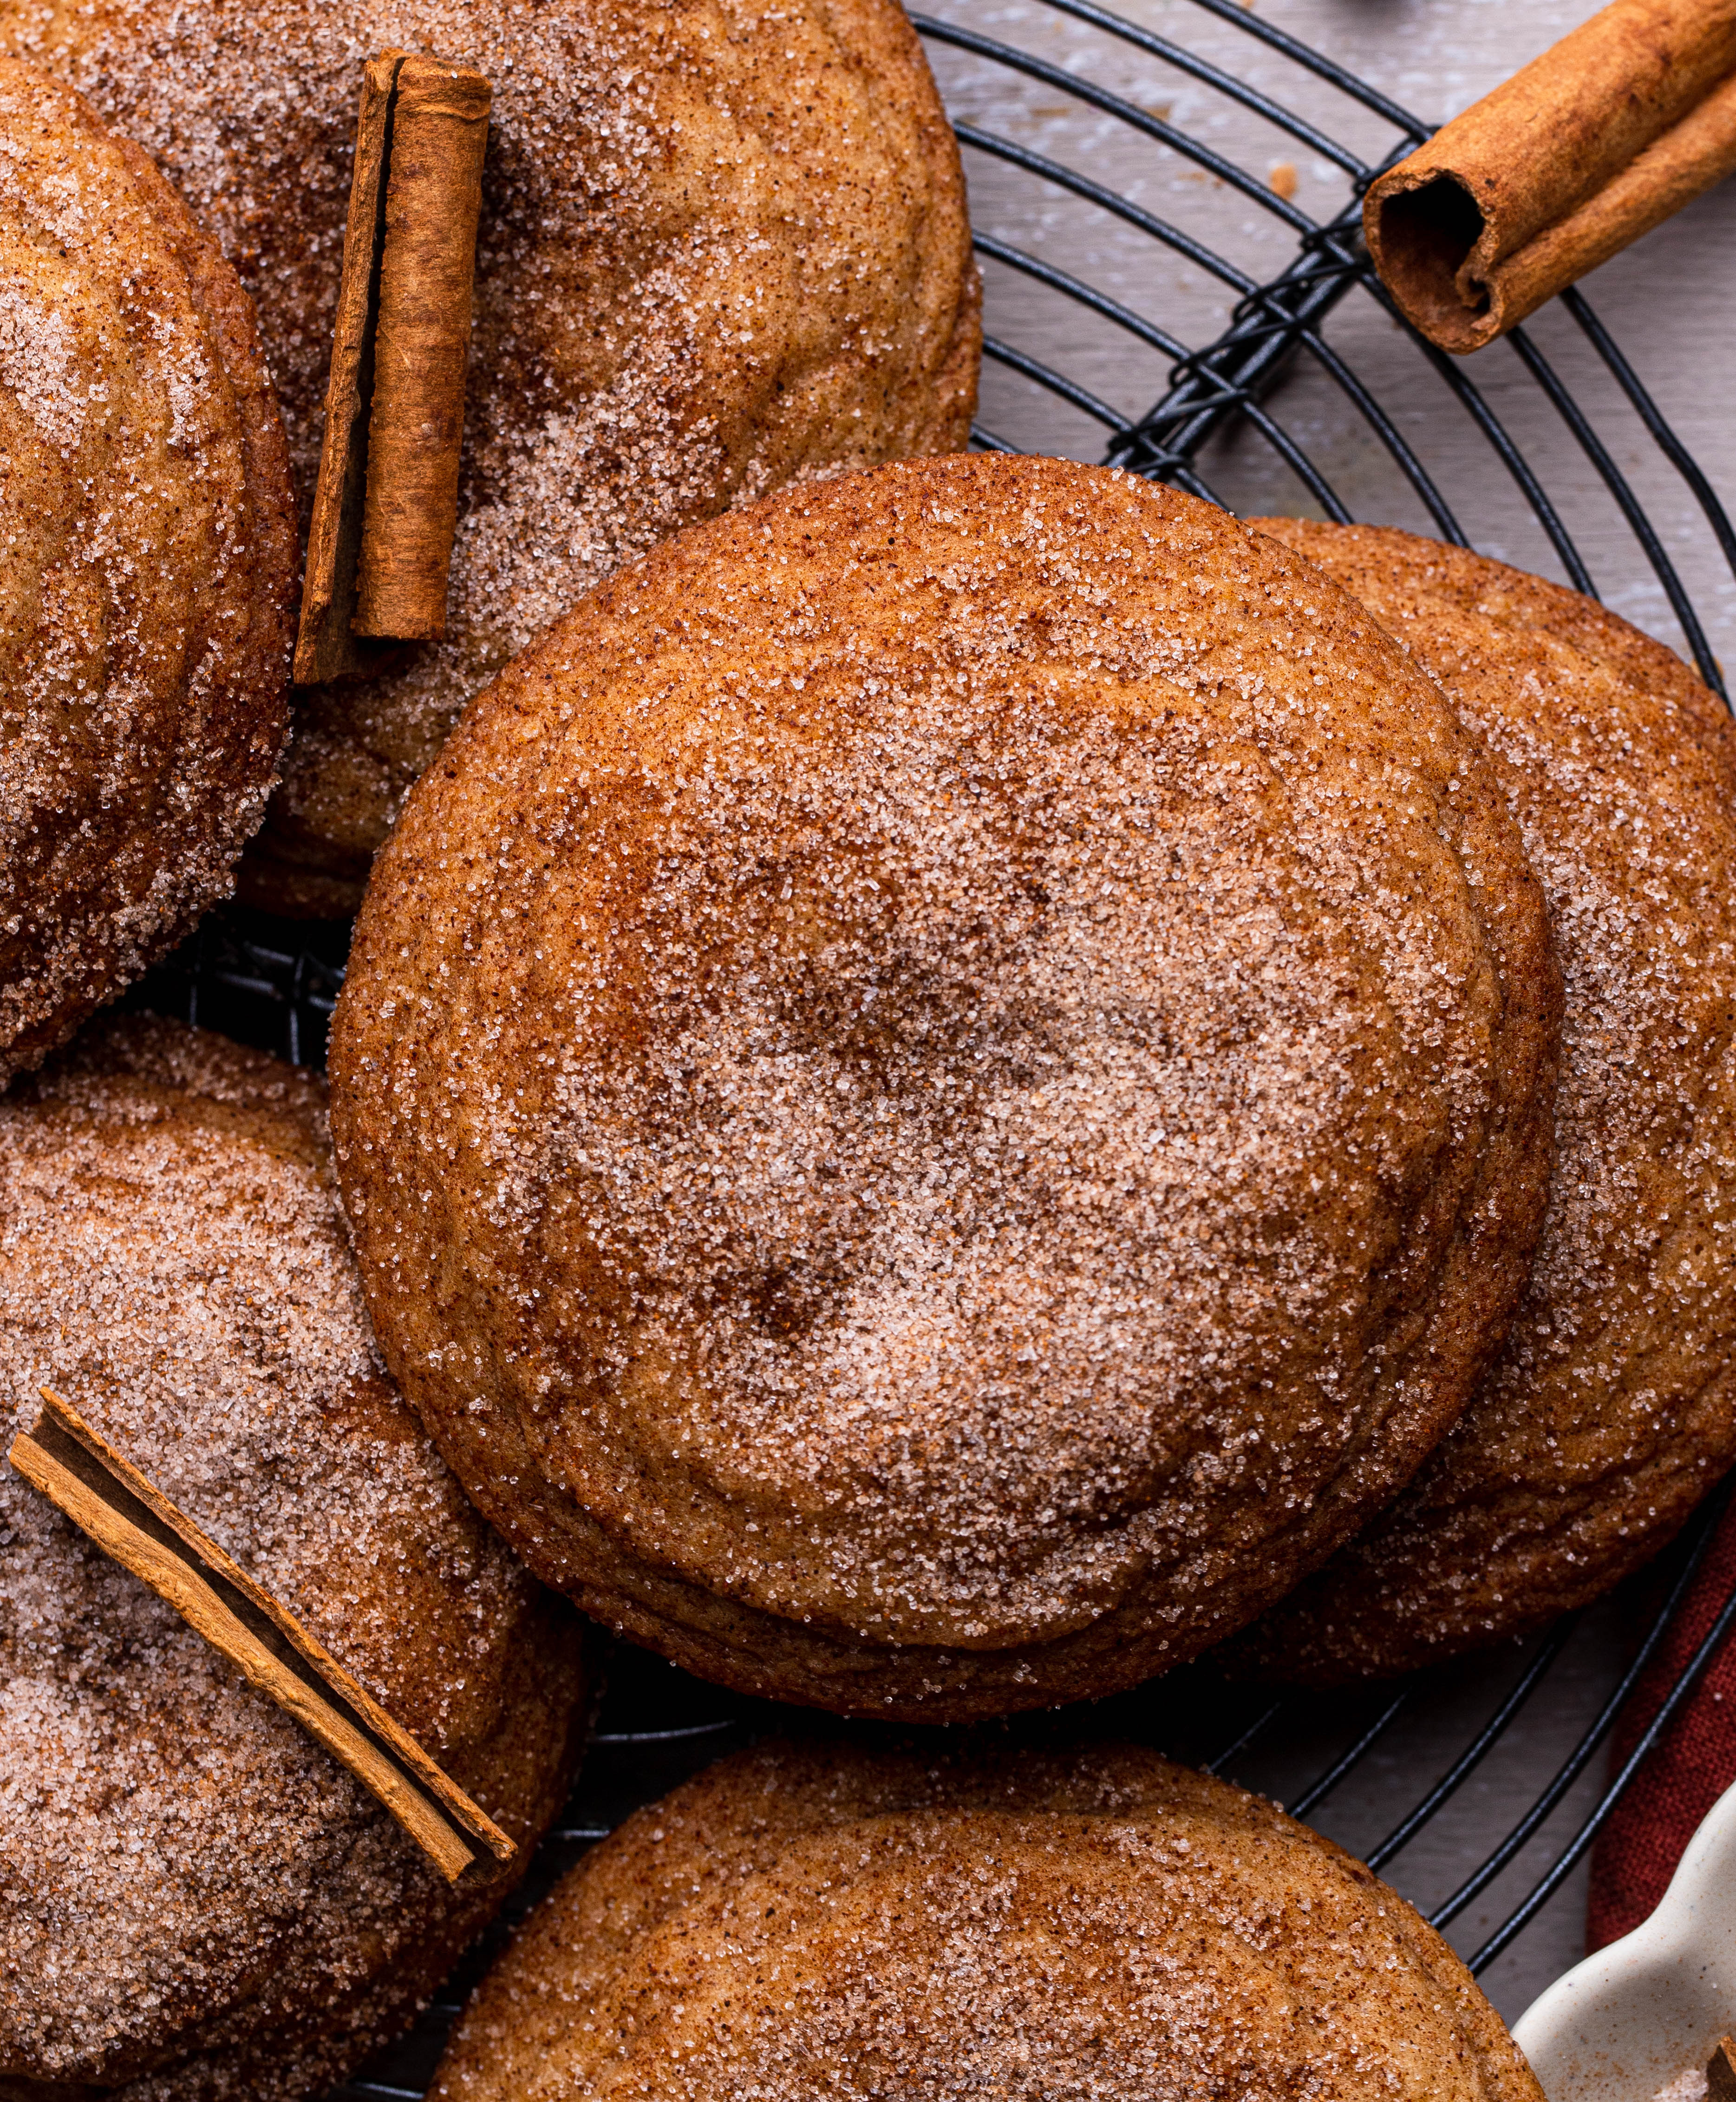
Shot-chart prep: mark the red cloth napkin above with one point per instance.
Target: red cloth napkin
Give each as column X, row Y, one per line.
column 1685, row 1773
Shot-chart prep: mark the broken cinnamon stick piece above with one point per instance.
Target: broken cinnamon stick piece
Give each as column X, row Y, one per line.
column 416, row 422
column 1606, row 134
column 1720, row 2075
column 130, row 1519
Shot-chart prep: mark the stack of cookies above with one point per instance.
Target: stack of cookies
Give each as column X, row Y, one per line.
column 964, row 1079
column 978, row 1079
column 948, row 1087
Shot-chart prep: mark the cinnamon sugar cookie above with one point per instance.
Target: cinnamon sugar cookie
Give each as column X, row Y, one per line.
column 807, row 1920
column 197, row 1902
column 946, row 1087
column 722, row 245
column 1613, row 1407
column 147, row 559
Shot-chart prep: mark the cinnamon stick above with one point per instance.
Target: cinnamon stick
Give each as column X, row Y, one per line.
column 434, row 197
column 385, row 505
column 1720, row 2075
column 1606, row 134
column 130, row 1519
column 325, row 646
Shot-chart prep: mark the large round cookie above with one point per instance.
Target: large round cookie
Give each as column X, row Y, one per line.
column 722, row 245
column 809, row 1920
column 1613, row 1407
column 198, row 1904
column 946, row 1086
column 146, row 560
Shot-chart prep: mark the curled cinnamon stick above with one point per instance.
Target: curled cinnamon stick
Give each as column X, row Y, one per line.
column 385, row 507
column 1606, row 134
column 434, row 197
column 131, row 1518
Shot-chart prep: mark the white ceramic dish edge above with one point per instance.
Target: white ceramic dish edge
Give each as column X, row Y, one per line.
column 1627, row 2021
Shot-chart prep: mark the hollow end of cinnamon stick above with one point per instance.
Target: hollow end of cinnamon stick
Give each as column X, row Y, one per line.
column 1583, row 150
column 1425, row 235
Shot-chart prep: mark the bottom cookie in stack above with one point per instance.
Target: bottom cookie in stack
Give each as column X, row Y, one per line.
column 1612, row 1408
column 197, row 1902
column 810, row 1920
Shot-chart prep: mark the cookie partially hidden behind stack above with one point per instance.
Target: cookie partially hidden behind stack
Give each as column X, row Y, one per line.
column 1613, row 1407
column 199, row 1904
column 812, row 1920
column 947, row 1087
column 723, row 245
column 147, row 564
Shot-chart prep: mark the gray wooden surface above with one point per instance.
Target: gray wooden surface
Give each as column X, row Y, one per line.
column 1670, row 303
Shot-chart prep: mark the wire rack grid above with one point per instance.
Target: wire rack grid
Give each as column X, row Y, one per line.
column 274, row 983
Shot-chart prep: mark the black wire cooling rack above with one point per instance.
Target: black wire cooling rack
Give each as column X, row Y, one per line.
column 1343, row 1763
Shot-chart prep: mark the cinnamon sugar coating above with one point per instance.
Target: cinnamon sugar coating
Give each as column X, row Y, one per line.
column 946, row 1087
column 722, row 245
column 1613, row 1406
column 198, row 1904
column 146, row 560
column 1094, row 1925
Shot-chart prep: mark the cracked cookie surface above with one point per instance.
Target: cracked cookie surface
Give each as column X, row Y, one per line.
column 946, row 1087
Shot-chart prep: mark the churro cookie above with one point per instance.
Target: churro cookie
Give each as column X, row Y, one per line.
column 804, row 1920
column 946, row 1086
column 722, row 245
column 147, row 560
column 1613, row 1407
column 197, row 1902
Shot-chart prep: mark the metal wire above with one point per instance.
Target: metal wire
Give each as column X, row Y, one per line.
column 276, row 986
column 1056, row 383
column 1157, row 128
column 1294, row 49
column 1200, row 69
column 1106, row 200
column 1577, row 1760
column 1228, row 378
column 1479, row 1748
column 1245, row 1742
column 1672, row 447
column 1083, row 294
column 1569, row 1858
column 1341, row 1768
